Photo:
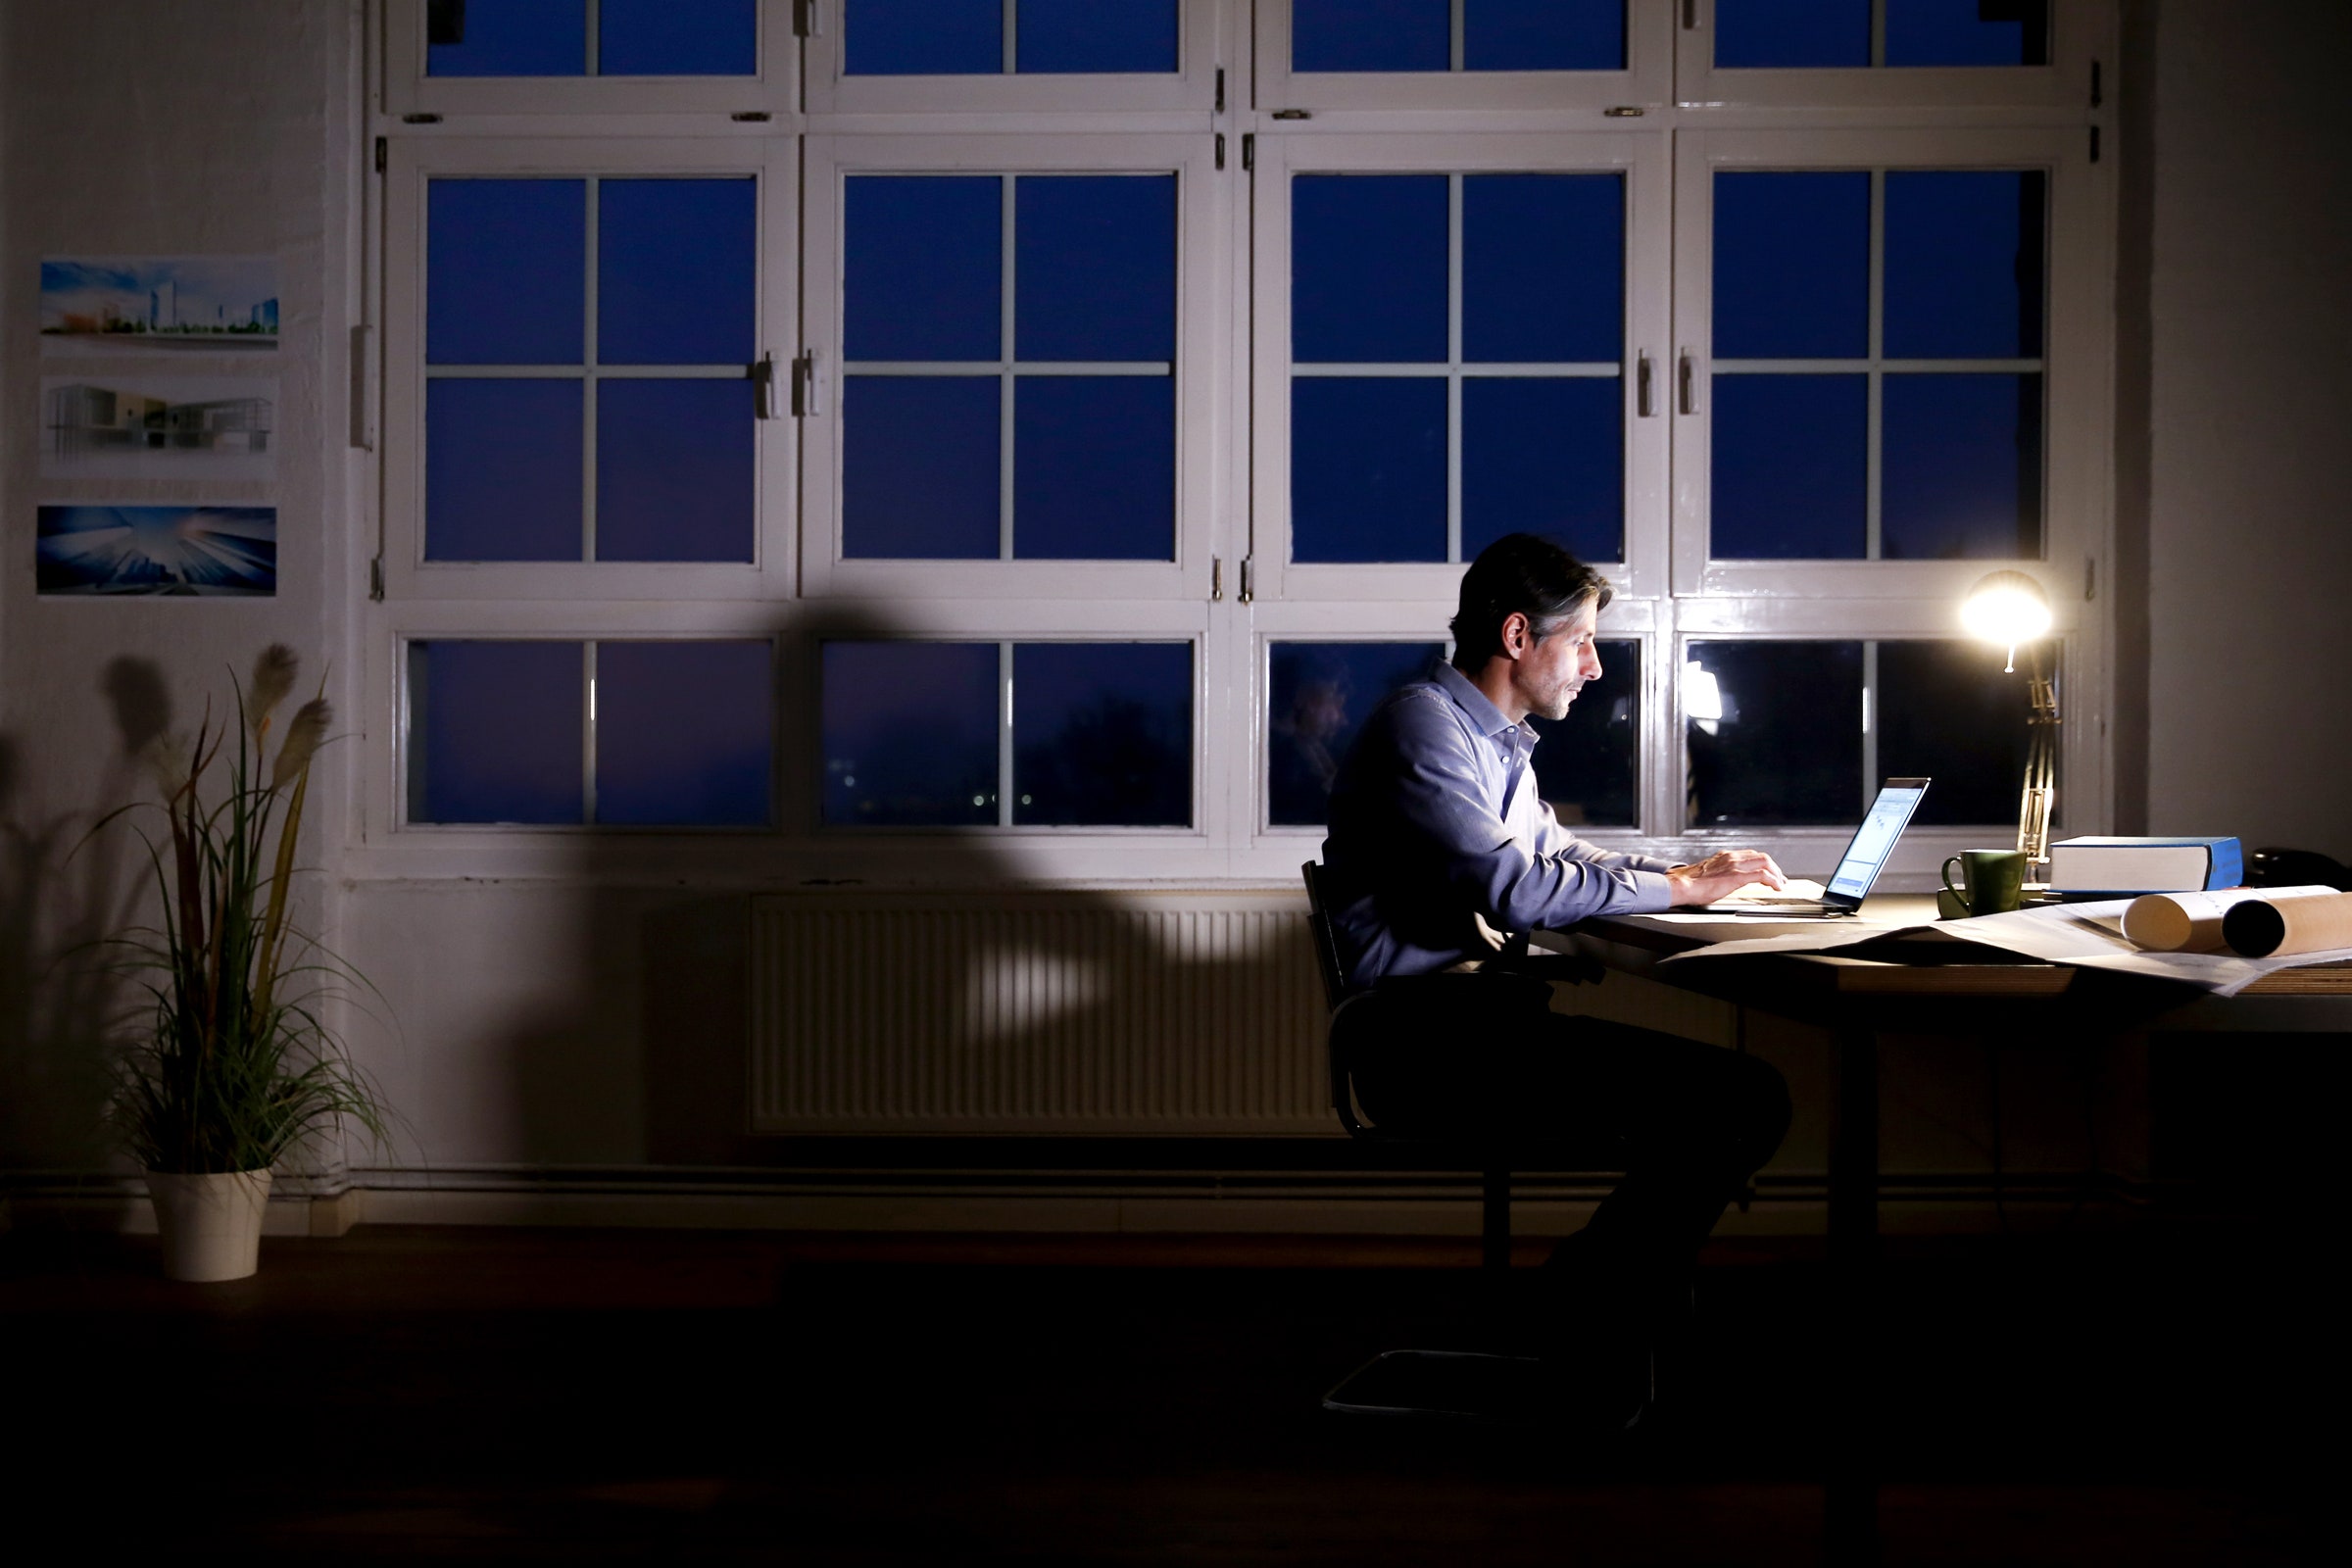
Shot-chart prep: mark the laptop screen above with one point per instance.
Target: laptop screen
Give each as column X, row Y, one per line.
column 1852, row 882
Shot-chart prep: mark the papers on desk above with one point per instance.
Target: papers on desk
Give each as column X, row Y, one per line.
column 2088, row 936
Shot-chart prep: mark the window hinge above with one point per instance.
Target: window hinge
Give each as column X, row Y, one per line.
column 1686, row 389
column 1248, row 149
column 806, row 20
column 2094, row 144
column 1293, row 114
column 1248, row 578
column 363, row 387
column 1689, row 15
column 380, row 155
column 2097, row 96
column 805, row 385
column 1216, row 578
column 1644, row 405
column 375, row 580
column 2091, row 578
column 1220, row 89
column 1220, row 149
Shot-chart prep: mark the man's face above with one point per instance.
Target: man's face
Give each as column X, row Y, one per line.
column 1548, row 671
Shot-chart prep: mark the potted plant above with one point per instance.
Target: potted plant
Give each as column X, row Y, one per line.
column 227, row 1064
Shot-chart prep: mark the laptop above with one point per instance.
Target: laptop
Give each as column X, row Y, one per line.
column 1857, row 872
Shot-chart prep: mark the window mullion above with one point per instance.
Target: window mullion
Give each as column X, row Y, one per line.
column 588, row 353
column 1453, row 341
column 1006, row 384
column 1004, row 734
column 1874, row 424
column 588, row 733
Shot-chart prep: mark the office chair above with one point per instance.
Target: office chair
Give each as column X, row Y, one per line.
column 1436, row 1383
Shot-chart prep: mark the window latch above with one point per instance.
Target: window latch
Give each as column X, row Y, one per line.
column 805, row 385
column 1642, row 401
column 1216, row 578
column 763, row 387
column 1248, row 578
column 807, row 22
column 1687, row 389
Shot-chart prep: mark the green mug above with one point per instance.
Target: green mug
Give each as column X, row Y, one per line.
column 1995, row 879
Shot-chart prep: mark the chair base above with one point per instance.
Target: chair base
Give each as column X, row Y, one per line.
column 1470, row 1385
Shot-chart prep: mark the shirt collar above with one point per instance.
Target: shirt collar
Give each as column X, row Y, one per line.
column 1470, row 700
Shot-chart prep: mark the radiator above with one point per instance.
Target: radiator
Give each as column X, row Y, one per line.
column 1108, row 1012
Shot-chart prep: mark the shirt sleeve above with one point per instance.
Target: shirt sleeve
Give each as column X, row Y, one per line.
column 1516, row 886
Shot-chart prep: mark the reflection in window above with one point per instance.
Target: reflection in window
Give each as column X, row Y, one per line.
column 631, row 38
column 545, row 444
column 1946, row 712
column 494, row 732
column 1384, row 368
column 989, row 37
column 1784, row 747
column 1799, row 35
column 1935, row 372
column 1053, row 441
column 1093, row 734
column 683, row 733
column 1426, row 35
column 1318, row 695
column 1589, row 764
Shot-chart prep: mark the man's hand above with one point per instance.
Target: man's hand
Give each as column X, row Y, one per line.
column 1722, row 872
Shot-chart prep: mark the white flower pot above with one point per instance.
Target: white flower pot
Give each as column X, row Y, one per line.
column 211, row 1225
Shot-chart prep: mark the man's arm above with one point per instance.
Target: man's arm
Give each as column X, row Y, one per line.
column 1702, row 882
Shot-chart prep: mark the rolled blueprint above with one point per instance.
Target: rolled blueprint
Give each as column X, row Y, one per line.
column 2279, row 928
column 2192, row 922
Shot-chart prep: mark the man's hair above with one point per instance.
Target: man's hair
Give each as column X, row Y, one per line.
column 1524, row 574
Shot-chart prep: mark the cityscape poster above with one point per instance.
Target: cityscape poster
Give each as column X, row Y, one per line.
column 214, row 551
column 156, row 302
column 130, row 425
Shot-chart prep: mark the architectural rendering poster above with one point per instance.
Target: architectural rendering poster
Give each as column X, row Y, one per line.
column 158, row 302
column 132, row 427
column 228, row 552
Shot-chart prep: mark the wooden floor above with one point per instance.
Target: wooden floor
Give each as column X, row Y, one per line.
column 411, row 1394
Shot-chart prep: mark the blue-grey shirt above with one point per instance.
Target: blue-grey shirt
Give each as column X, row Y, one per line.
column 1435, row 821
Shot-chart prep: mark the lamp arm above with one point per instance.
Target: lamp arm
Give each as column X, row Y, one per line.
column 2040, row 792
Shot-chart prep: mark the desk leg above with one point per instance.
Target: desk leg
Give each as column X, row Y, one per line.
column 1851, row 1505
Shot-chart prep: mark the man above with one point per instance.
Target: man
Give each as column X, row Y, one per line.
column 1439, row 851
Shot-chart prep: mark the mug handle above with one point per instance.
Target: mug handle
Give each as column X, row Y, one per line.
column 1957, row 893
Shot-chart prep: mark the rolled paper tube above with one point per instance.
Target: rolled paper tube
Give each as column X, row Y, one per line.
column 2192, row 922
column 2280, row 928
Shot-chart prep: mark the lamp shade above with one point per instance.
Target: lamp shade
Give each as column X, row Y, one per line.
column 2006, row 609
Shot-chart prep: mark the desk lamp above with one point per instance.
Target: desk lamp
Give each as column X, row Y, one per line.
column 2007, row 608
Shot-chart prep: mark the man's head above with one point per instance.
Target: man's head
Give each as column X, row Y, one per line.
column 1524, row 629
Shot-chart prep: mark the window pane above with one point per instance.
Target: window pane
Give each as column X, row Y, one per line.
column 1371, row 35
column 507, row 38
column 1788, row 748
column 1094, row 266
column 1543, row 455
column 1103, row 734
column 1588, row 765
column 677, row 37
column 1967, row 32
column 1543, row 267
column 1318, row 695
column 922, row 37
column 494, row 732
column 1964, row 263
column 1543, row 34
column 502, row 471
column 504, row 271
column 923, row 268
column 1368, row 268
column 1062, row 36
column 1776, row 33
column 1791, row 265
column 673, row 470
column 1094, row 468
column 682, row 733
column 1947, row 712
column 676, row 262
column 919, row 467
column 1367, row 469
column 1790, row 468
column 910, row 733
column 1962, row 467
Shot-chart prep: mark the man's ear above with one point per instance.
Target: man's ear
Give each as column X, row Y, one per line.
column 1516, row 635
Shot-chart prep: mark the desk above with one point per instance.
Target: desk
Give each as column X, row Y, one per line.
column 1924, row 986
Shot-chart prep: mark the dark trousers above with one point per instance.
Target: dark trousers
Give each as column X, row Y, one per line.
column 1463, row 1058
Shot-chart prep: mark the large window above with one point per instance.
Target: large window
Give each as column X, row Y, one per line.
column 815, row 433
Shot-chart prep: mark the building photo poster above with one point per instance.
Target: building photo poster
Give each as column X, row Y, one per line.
column 198, row 551
column 109, row 302
column 135, row 426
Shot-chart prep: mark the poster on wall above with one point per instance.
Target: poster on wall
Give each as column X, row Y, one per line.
column 158, row 302
column 132, row 427
column 200, row 551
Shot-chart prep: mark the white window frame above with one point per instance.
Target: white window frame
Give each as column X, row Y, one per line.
column 2075, row 32
column 1201, row 316
column 1641, row 162
column 410, row 165
column 1189, row 91
column 773, row 91
column 1645, row 83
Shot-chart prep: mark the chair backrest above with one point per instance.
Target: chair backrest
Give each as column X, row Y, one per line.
column 1326, row 942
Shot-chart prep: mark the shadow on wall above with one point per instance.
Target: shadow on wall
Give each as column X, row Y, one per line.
column 63, row 891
